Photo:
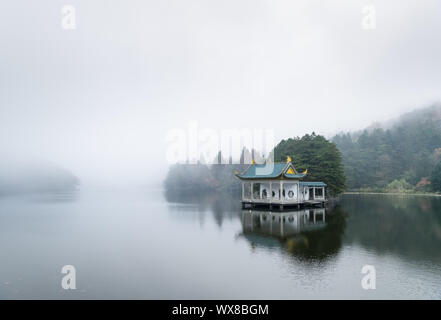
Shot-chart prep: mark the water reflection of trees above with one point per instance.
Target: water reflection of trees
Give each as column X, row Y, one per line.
column 310, row 235
column 222, row 206
column 409, row 226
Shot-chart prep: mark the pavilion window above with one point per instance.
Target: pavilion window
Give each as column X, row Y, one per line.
column 256, row 190
column 319, row 192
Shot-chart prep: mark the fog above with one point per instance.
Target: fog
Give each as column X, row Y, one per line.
column 99, row 100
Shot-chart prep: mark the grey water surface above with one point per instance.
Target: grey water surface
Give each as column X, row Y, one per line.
column 144, row 244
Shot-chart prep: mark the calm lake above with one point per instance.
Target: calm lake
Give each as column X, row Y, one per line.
column 144, row 244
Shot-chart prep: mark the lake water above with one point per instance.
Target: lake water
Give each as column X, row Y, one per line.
column 143, row 244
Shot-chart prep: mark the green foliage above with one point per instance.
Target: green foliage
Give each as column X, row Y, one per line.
column 320, row 156
column 312, row 152
column 399, row 186
column 436, row 178
column 409, row 149
column 403, row 157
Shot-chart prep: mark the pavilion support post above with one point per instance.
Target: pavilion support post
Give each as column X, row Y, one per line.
column 313, row 193
column 298, row 192
column 252, row 191
column 281, row 191
column 271, row 193
column 243, row 191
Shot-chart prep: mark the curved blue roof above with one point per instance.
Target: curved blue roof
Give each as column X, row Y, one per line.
column 294, row 176
column 270, row 170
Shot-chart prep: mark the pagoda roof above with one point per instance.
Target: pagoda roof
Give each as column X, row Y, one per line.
column 271, row 171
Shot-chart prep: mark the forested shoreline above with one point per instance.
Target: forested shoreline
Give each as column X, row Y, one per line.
column 403, row 156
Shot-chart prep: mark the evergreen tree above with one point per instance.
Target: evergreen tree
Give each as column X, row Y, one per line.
column 375, row 157
column 320, row 156
column 436, row 178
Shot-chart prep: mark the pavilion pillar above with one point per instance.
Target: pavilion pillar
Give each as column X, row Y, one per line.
column 281, row 191
column 298, row 192
column 243, row 190
column 252, row 190
column 313, row 194
column 271, row 192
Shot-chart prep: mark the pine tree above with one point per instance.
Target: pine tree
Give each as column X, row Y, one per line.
column 321, row 157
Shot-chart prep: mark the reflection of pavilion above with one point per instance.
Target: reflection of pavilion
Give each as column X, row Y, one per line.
column 283, row 224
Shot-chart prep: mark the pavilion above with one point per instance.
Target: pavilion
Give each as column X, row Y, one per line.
column 279, row 184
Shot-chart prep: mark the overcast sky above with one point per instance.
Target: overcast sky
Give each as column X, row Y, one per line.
column 100, row 99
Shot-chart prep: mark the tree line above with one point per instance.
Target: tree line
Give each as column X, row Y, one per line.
column 313, row 152
column 402, row 156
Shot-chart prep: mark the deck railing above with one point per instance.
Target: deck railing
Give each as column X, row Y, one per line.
column 276, row 200
column 282, row 201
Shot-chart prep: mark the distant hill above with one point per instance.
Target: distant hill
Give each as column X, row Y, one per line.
column 28, row 176
column 401, row 153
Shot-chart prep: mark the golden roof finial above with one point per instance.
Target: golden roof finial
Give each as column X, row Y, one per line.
column 288, row 159
column 305, row 172
column 253, row 162
column 236, row 172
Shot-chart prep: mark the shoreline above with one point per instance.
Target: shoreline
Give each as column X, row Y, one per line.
column 395, row 193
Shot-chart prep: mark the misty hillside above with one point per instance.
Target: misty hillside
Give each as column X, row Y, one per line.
column 402, row 152
column 27, row 176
